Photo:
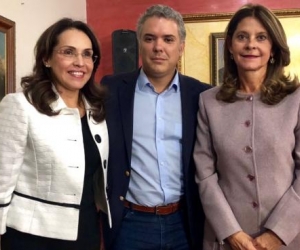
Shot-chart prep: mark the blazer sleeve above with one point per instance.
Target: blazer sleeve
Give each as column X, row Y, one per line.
column 13, row 136
column 285, row 218
column 215, row 205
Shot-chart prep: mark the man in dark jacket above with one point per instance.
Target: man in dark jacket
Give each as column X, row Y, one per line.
column 151, row 118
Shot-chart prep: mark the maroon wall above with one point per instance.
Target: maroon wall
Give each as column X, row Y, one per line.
column 105, row 16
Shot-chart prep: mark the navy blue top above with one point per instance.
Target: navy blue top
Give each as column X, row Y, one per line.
column 89, row 229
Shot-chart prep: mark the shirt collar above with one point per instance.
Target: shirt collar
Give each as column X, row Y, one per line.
column 59, row 104
column 143, row 82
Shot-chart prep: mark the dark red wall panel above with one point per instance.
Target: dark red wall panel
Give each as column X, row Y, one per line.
column 105, row 16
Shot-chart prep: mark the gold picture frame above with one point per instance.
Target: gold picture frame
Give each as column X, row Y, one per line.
column 197, row 59
column 7, row 56
column 217, row 65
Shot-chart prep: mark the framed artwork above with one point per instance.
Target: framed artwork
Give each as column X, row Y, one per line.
column 217, row 65
column 201, row 58
column 7, row 56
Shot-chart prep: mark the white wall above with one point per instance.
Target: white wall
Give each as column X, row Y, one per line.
column 32, row 17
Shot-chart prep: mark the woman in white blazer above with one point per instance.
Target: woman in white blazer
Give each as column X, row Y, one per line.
column 54, row 147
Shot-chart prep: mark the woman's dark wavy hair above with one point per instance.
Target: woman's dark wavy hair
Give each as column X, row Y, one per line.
column 276, row 85
column 37, row 87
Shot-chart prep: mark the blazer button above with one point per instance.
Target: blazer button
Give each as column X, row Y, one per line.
column 249, row 98
column 250, row 177
column 248, row 149
column 127, row 173
column 122, row 198
column 247, row 123
column 254, row 204
column 98, row 138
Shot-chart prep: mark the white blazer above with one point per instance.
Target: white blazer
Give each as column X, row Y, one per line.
column 42, row 167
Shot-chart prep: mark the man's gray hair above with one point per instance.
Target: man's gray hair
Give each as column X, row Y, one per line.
column 165, row 12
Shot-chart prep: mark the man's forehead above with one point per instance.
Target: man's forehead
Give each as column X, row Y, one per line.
column 159, row 19
column 162, row 26
column 163, row 34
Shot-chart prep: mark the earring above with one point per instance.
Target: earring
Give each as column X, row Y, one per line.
column 272, row 60
column 231, row 56
column 47, row 65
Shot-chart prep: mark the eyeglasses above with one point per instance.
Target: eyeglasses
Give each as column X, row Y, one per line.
column 71, row 54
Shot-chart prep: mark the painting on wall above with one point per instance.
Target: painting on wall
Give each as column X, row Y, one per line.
column 7, row 56
column 202, row 58
column 217, row 66
column 2, row 64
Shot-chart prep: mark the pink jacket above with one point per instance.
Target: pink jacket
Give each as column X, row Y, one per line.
column 247, row 157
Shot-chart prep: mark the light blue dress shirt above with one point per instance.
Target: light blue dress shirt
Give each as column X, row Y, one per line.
column 156, row 162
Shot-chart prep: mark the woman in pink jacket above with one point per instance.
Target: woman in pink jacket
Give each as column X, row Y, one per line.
column 248, row 141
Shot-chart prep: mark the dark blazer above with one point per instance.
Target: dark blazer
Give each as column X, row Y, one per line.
column 119, row 118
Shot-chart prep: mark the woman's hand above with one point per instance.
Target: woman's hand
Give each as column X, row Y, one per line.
column 241, row 241
column 268, row 241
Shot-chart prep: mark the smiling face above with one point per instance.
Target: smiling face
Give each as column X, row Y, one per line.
column 251, row 46
column 71, row 73
column 160, row 47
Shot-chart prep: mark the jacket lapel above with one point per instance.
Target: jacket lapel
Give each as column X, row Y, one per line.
column 188, row 120
column 126, row 97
